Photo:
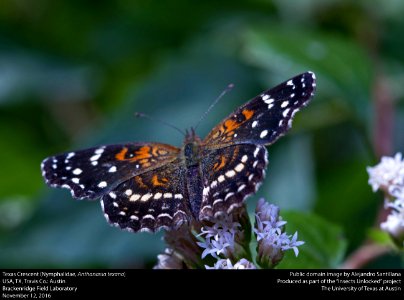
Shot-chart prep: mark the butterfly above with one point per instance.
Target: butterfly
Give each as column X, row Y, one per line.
column 149, row 186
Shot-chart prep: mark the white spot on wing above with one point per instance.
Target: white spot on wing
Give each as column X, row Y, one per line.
column 239, row 167
column 230, row 173
column 228, row 196
column 168, row 195
column 134, row 197
column 270, row 106
column 213, row 184
column 290, row 82
column 112, row 169
column 94, row 163
column 263, row 133
column 285, row 103
column 115, row 204
column 112, row 195
column 102, row 184
column 148, row 217
column 241, row 188
column 133, row 217
column 99, row 151
column 217, row 201
column 254, row 124
column 221, row 178
column 256, row 151
column 205, row 191
column 157, row 195
column 75, row 180
column 77, row 171
column 128, row 192
column 244, row 158
column 70, row 155
column 95, row 157
column 178, row 196
column 146, row 197
column 265, row 97
column 164, row 215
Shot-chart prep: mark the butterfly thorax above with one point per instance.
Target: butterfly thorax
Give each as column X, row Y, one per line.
column 191, row 148
column 191, row 152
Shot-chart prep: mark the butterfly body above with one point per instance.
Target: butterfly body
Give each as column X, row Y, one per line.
column 148, row 186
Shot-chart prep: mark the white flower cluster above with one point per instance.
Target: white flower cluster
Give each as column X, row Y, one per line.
column 271, row 238
column 220, row 237
column 388, row 176
column 242, row 264
column 225, row 241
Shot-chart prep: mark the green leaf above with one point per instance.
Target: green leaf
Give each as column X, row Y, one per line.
column 380, row 237
column 324, row 246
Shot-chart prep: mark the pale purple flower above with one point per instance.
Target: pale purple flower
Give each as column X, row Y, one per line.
column 242, row 264
column 394, row 224
column 387, row 174
column 271, row 238
column 221, row 238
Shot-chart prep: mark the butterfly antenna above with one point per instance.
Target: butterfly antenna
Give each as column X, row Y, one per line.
column 142, row 115
column 226, row 90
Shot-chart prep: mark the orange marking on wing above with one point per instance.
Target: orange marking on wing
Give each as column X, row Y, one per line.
column 121, row 154
column 231, row 125
column 247, row 114
column 142, row 153
column 154, row 151
column 156, row 181
column 139, row 181
column 218, row 166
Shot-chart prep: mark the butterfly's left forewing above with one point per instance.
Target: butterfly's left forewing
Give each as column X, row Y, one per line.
column 266, row 117
column 90, row 173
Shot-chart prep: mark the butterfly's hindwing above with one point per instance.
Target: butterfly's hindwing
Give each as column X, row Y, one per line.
column 265, row 118
column 149, row 201
column 231, row 174
column 92, row 172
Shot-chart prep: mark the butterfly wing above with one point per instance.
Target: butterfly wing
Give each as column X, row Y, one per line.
column 149, row 201
column 230, row 175
column 266, row 117
column 235, row 156
column 90, row 173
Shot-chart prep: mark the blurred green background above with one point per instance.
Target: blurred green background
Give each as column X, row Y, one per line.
column 72, row 73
